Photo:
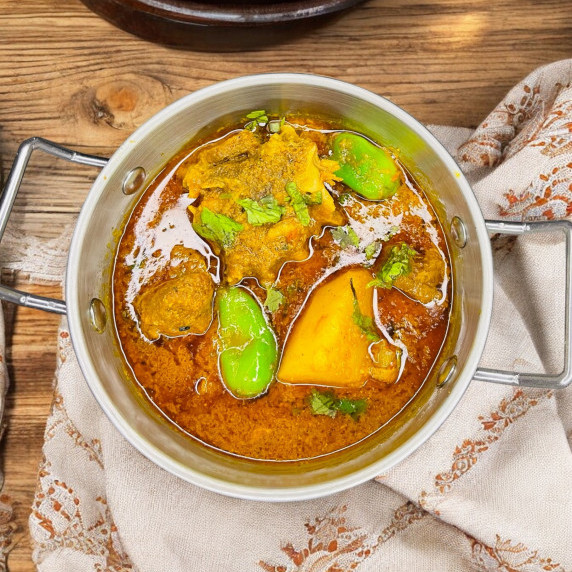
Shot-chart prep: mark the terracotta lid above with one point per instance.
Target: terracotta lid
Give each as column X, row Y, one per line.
column 217, row 26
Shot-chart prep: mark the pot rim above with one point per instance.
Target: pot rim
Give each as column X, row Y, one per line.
column 74, row 312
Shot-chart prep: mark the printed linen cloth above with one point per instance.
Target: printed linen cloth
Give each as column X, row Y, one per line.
column 491, row 490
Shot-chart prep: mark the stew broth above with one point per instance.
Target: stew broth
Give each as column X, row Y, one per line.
column 369, row 277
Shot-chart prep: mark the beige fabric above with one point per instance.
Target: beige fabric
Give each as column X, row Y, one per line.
column 491, row 490
column 7, row 525
column 41, row 261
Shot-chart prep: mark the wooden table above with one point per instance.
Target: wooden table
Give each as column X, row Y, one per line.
column 68, row 76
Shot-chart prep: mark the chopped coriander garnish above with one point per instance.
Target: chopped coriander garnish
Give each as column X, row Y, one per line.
column 265, row 211
column 259, row 118
column 327, row 403
column 137, row 264
column 217, row 227
column 344, row 198
column 298, row 203
column 392, row 230
column 351, row 407
column 257, row 114
column 322, row 403
column 315, row 199
column 345, row 236
column 397, row 264
column 372, row 250
column 363, row 322
column 274, row 299
column 275, row 125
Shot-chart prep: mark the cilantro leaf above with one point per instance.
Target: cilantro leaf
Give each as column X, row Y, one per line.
column 259, row 118
column 345, row 236
column 322, row 403
column 256, row 114
column 398, row 264
column 298, row 203
column 217, row 227
column 363, row 322
column 393, row 230
column 315, row 199
column 372, row 250
column 275, row 125
column 265, row 211
column 351, row 407
column 274, row 299
column 327, row 403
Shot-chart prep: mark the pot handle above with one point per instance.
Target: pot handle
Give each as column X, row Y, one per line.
column 541, row 380
column 7, row 202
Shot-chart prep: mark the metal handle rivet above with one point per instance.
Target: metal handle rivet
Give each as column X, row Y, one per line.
column 97, row 315
column 447, row 370
column 134, row 180
column 458, row 232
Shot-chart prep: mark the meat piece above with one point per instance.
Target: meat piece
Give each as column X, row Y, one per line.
column 242, row 168
column 180, row 305
column 387, row 362
column 428, row 273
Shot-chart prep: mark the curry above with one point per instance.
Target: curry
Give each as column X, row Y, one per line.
column 281, row 290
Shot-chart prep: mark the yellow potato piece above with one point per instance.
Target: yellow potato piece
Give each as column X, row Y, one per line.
column 326, row 346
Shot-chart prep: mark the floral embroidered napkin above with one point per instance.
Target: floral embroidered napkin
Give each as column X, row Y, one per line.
column 491, row 490
column 7, row 524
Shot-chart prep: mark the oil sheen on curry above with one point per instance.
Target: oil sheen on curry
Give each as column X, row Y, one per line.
column 281, row 290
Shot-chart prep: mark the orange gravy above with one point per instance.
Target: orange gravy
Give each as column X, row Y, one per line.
column 181, row 376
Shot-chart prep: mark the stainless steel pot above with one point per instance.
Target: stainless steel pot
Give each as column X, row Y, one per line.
column 117, row 188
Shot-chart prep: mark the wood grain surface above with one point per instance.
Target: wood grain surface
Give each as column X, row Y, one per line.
column 69, row 76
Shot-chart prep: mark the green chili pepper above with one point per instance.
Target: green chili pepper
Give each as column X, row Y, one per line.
column 249, row 353
column 369, row 170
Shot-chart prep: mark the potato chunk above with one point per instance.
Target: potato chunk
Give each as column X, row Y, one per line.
column 329, row 346
column 180, row 305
